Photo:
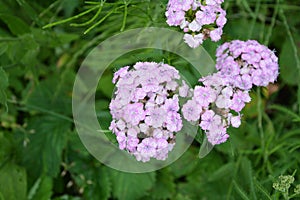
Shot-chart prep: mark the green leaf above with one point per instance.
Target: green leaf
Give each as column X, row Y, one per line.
column 13, row 184
column 105, row 85
column 50, row 97
column 131, row 186
column 224, row 171
column 285, row 110
column 100, row 186
column 240, row 191
column 67, row 197
column 3, row 87
column 262, row 190
column 288, row 70
column 44, row 150
column 5, row 149
column 247, row 176
column 42, row 189
column 165, row 187
column 185, row 164
column 15, row 24
column 3, row 48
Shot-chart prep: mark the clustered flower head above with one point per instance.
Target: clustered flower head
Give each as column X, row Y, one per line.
column 283, row 183
column 248, row 63
column 198, row 19
column 217, row 103
column 145, row 109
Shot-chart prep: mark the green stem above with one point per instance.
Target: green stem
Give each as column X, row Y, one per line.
column 294, row 48
column 257, row 7
column 125, row 16
column 260, row 127
column 70, row 19
column 269, row 33
column 100, row 21
column 92, row 19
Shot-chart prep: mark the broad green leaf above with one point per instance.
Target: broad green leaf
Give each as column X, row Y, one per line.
column 3, row 87
column 288, row 66
column 131, row 186
column 44, row 150
column 16, row 25
column 52, row 97
column 3, row 48
column 262, row 190
column 13, row 183
column 53, row 39
column 164, row 187
column 241, row 192
column 5, row 149
column 100, row 184
column 224, row 171
column 42, row 189
column 185, row 164
column 247, row 176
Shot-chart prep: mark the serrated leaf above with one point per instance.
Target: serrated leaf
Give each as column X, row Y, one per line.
column 185, row 164
column 131, row 186
column 15, row 24
column 100, row 187
column 5, row 149
column 240, row 191
column 288, row 65
column 164, row 187
column 225, row 170
column 247, row 175
column 3, row 48
column 13, row 184
column 44, row 150
column 262, row 190
column 51, row 97
column 42, row 189
column 3, row 87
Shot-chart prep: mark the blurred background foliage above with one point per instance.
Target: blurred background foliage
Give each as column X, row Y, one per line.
column 42, row 44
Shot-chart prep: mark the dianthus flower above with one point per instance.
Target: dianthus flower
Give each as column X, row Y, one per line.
column 216, row 105
column 248, row 63
column 145, row 109
column 198, row 19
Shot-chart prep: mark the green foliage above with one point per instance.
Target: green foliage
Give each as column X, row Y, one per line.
column 13, row 183
column 42, row 189
column 42, row 45
column 3, row 87
column 131, row 186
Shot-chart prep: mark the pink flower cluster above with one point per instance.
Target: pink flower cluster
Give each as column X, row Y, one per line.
column 248, row 63
column 217, row 103
column 145, row 109
column 198, row 19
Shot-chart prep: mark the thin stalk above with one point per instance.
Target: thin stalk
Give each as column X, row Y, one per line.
column 100, row 21
column 92, row 19
column 269, row 33
column 257, row 8
column 260, row 127
column 125, row 16
column 294, row 48
column 70, row 19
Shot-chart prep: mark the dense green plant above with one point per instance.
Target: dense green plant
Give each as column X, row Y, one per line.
column 42, row 44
